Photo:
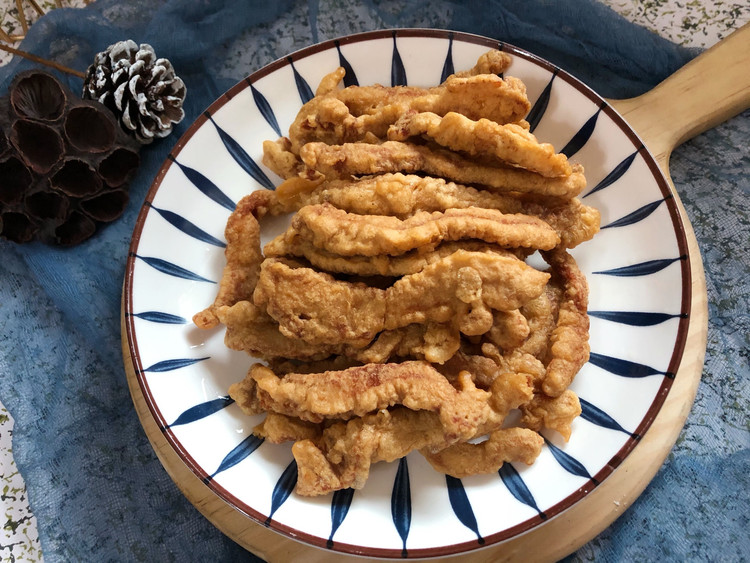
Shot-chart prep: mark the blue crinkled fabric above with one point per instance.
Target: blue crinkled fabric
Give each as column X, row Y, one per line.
column 95, row 484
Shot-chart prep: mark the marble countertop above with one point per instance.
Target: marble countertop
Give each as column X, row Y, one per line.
column 694, row 24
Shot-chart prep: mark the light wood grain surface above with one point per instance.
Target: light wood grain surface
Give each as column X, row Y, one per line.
column 704, row 93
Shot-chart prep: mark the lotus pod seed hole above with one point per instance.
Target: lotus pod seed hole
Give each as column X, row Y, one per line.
column 90, row 129
column 76, row 229
column 119, row 166
column 76, row 178
column 107, row 206
column 15, row 180
column 47, row 205
column 17, row 227
column 40, row 146
column 38, row 96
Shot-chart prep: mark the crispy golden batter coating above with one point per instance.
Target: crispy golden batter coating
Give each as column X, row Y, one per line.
column 483, row 139
column 349, row 234
column 569, row 341
column 555, row 413
column 504, row 445
column 402, row 195
column 360, row 159
column 463, row 288
column 397, row 312
column 243, row 256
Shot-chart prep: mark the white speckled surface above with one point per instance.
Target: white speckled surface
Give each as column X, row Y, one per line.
column 695, row 24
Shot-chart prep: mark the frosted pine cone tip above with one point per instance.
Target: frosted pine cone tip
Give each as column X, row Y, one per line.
column 142, row 90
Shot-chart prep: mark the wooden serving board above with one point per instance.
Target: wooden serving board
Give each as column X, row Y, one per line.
column 707, row 91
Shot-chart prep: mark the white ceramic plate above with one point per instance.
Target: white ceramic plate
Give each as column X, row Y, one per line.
column 637, row 268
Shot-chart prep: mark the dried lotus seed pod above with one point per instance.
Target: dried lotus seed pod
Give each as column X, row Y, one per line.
column 64, row 163
column 37, row 95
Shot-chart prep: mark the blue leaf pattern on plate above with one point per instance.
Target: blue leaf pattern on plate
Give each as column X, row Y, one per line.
column 638, row 215
column 206, row 186
column 568, row 462
column 265, row 109
column 282, row 490
column 241, row 157
column 172, row 269
column 401, row 503
column 582, row 137
column 597, row 416
column 635, row 318
column 159, row 317
column 623, row 368
column 448, row 68
column 188, row 227
column 540, row 106
column 643, row 269
column 461, row 505
column 202, row 410
column 398, row 72
column 236, row 455
column 615, row 175
column 303, row 88
column 350, row 78
column 171, row 365
column 515, row 484
column 340, row 503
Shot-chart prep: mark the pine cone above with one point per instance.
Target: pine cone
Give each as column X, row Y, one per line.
column 142, row 90
column 64, row 163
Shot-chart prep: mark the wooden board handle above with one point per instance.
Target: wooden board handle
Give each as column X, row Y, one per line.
column 705, row 92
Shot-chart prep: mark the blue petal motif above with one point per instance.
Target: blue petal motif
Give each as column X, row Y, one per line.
column 461, row 505
column 642, row 269
column 634, row 318
column 188, row 227
column 282, row 490
column 206, row 186
column 238, row 453
column 448, row 68
column 398, row 72
column 514, row 483
column 171, row 365
column 615, row 175
column 401, row 503
column 265, row 109
column 638, row 215
column 303, row 88
column 159, row 317
column 583, row 135
column 172, row 269
column 241, row 157
column 342, row 500
column 624, row 368
column 540, row 106
column 597, row 416
column 350, row 78
column 202, row 410
column 568, row 462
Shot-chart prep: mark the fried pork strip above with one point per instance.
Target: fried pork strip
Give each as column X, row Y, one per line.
column 243, row 256
column 349, row 234
column 410, row 262
column 504, row 445
column 555, row 413
column 483, row 139
column 403, row 195
column 461, row 288
column 341, row 457
column 361, row 159
column 357, row 391
column 569, row 342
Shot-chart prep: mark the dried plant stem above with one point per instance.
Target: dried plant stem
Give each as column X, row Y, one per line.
column 5, row 37
column 40, row 60
column 36, row 7
column 22, row 17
